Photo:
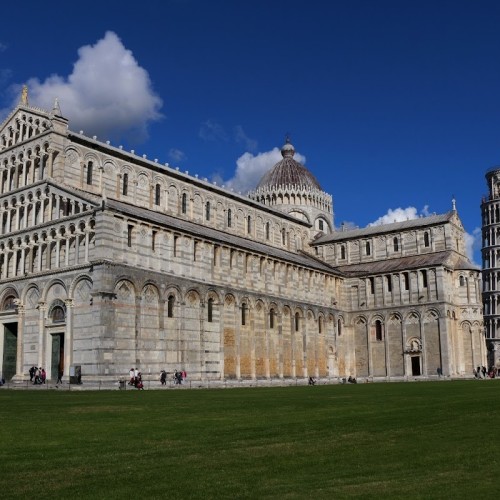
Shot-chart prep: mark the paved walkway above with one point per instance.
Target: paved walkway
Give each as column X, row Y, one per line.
column 107, row 384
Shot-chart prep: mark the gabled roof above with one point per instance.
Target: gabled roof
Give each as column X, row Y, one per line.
column 432, row 220
column 448, row 259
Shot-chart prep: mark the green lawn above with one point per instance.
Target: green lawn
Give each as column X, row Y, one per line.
column 398, row 440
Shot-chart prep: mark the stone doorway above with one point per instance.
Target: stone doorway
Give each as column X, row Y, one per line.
column 9, row 350
column 415, row 366
column 57, row 359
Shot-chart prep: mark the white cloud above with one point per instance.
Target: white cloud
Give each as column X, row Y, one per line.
column 473, row 243
column 108, row 94
column 399, row 215
column 250, row 169
column 241, row 137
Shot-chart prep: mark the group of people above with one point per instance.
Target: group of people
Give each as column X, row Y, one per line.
column 179, row 377
column 350, row 380
column 136, row 378
column 38, row 375
column 482, row 372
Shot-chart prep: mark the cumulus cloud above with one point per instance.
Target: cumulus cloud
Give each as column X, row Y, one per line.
column 400, row 215
column 108, row 94
column 250, row 169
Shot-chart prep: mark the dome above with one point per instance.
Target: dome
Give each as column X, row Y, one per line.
column 288, row 172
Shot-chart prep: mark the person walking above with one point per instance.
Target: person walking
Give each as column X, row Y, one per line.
column 59, row 377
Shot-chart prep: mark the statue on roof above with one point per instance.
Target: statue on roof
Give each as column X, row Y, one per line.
column 24, row 95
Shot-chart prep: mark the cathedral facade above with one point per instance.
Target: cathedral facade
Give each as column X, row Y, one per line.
column 109, row 261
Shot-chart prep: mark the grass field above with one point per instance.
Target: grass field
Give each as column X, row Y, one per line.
column 398, row 440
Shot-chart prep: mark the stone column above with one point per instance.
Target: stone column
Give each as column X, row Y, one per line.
column 40, row 248
column 87, row 238
column 51, row 207
column 58, row 252
column 8, row 229
column 203, row 366
column 51, row 161
column 237, row 336
column 26, row 223
column 20, row 338
column 66, row 257
column 22, row 271
column 42, row 309
column 68, row 341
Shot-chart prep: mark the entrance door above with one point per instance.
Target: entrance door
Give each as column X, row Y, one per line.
column 9, row 350
column 57, row 364
column 415, row 366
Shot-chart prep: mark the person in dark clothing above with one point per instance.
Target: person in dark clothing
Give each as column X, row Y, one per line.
column 59, row 377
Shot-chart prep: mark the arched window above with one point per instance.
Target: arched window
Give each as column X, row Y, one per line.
column 320, row 225
column 9, row 303
column 229, row 218
column 339, row 328
column 462, row 281
column 320, row 324
column 170, row 306
column 368, row 248
column 271, row 318
column 396, row 244
column 58, row 315
column 267, row 230
column 244, row 314
column 184, row 203
column 249, row 224
column 125, row 185
column 157, row 194
column 207, row 210
column 90, row 166
column 342, row 252
column 283, row 236
column 426, row 239
column 378, row 330
column 210, row 310
column 297, row 317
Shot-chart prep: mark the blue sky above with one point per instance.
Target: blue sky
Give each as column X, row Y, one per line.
column 393, row 105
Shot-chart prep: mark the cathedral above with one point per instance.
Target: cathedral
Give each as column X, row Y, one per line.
column 109, row 260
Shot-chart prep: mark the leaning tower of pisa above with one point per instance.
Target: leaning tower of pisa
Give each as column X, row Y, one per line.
column 490, row 217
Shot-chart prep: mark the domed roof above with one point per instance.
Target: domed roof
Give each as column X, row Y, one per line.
column 288, row 172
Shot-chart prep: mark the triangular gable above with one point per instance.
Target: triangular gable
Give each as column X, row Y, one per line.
column 23, row 123
column 63, row 190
